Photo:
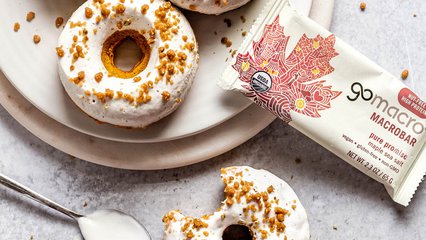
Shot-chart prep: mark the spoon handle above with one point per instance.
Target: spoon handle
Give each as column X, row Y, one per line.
column 35, row 196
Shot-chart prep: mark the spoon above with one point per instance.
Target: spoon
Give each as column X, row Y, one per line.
column 101, row 225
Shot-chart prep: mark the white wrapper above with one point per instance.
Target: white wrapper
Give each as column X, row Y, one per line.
column 323, row 87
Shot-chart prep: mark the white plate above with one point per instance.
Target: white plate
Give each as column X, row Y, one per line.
column 32, row 70
column 181, row 152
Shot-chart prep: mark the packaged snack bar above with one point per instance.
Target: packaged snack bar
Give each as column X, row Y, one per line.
column 321, row 86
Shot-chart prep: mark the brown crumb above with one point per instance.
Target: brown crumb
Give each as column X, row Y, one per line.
column 228, row 22
column 404, row 74
column 36, row 39
column 59, row 21
column 244, row 33
column 414, row 15
column 60, row 51
column 226, row 41
column 16, row 27
column 298, row 160
column 31, row 237
column 334, row 227
column 88, row 12
column 85, row 204
column 243, row 19
column 363, row 6
column 30, row 16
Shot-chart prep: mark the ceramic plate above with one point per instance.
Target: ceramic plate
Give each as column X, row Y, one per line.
column 32, row 69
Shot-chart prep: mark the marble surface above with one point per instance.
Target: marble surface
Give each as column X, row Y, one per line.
column 342, row 203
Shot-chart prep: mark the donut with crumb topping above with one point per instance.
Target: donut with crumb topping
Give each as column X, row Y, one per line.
column 258, row 205
column 214, row 7
column 155, row 86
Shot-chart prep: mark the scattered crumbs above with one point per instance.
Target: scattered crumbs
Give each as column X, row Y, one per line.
column 226, row 41
column 16, row 27
column 228, row 22
column 334, row 227
column 234, row 53
column 85, row 204
column 30, row 16
column 298, row 160
column 363, row 6
column 59, row 21
column 243, row 19
column 244, row 33
column 404, row 74
column 36, row 39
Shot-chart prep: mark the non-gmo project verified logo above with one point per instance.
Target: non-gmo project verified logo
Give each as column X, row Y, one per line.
column 261, row 82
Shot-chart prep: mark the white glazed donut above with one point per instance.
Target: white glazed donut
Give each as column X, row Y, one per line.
column 155, row 86
column 256, row 199
column 210, row 6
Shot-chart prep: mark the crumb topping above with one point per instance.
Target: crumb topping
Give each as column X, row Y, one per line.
column 263, row 211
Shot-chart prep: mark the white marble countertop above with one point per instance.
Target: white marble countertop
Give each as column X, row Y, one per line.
column 342, row 203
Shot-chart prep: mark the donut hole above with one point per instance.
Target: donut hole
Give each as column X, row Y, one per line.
column 127, row 55
column 237, row 232
column 116, row 44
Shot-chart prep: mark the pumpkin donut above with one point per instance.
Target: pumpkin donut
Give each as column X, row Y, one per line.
column 154, row 87
column 214, row 7
column 258, row 205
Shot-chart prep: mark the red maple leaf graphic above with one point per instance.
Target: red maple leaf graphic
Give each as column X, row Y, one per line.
column 295, row 85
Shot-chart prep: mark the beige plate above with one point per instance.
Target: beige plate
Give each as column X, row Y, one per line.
column 32, row 69
column 181, row 152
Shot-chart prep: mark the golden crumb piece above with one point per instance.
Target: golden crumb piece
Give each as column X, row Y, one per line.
column 404, row 74
column 30, row 16
column 16, row 27
column 36, row 39
column 88, row 12
column 166, row 96
column 120, row 9
column 59, row 51
column 144, row 8
column 363, row 6
column 59, row 21
column 99, row 76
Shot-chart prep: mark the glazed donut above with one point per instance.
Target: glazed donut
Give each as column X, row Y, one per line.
column 215, row 7
column 255, row 199
column 154, row 87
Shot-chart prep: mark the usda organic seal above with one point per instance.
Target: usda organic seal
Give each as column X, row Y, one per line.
column 261, row 82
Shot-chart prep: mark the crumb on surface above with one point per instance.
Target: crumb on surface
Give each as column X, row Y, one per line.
column 30, row 16
column 36, row 39
column 59, row 21
column 16, row 27
column 363, row 6
column 405, row 74
column 225, row 41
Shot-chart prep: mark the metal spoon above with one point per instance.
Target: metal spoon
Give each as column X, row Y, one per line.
column 103, row 224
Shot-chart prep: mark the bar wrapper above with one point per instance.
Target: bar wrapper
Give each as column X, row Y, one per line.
column 321, row 86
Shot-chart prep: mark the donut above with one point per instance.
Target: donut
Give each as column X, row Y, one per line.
column 154, row 87
column 258, row 205
column 213, row 7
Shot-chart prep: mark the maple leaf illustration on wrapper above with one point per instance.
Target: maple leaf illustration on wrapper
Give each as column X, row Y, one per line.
column 295, row 79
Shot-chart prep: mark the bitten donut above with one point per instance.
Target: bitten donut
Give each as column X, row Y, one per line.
column 210, row 6
column 256, row 200
column 154, row 87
